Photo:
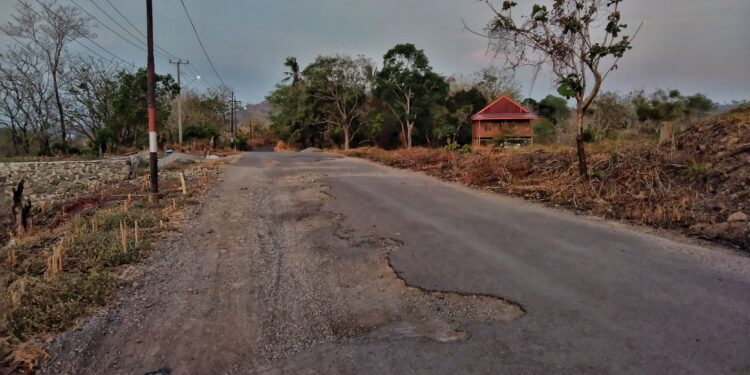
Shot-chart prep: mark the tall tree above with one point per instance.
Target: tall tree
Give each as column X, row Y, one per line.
column 564, row 36
column 340, row 85
column 28, row 96
column 408, row 86
column 293, row 74
column 51, row 28
column 91, row 88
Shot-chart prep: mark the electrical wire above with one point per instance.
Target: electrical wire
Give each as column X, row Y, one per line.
column 81, row 35
column 201, row 43
column 171, row 55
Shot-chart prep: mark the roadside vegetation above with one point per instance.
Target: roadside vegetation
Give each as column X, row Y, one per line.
column 77, row 254
column 698, row 184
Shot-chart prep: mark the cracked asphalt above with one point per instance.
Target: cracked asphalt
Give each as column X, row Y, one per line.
column 314, row 263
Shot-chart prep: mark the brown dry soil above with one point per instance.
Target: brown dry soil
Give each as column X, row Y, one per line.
column 263, row 272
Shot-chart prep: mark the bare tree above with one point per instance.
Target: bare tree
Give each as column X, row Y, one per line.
column 609, row 112
column 27, row 96
column 492, row 81
column 50, row 29
column 91, row 87
column 565, row 36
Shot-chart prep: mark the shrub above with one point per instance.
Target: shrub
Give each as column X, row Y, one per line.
column 201, row 132
column 697, row 168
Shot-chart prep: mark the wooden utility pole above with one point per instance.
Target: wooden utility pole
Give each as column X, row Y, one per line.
column 232, row 126
column 179, row 98
column 152, row 146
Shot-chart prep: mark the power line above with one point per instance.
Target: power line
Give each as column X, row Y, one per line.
column 201, row 43
column 113, row 31
column 107, row 26
column 164, row 51
column 80, row 35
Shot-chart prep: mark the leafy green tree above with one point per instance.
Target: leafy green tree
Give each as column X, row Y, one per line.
column 296, row 120
column 461, row 106
column 129, row 120
column 699, row 104
column 409, row 88
column 293, row 74
column 553, row 108
column 564, row 36
column 544, row 130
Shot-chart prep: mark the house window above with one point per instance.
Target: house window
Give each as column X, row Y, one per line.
column 487, row 127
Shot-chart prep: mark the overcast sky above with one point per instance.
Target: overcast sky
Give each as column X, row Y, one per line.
column 690, row 45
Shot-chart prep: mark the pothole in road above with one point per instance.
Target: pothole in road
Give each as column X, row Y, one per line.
column 337, row 285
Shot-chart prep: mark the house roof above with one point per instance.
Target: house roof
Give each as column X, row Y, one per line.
column 504, row 108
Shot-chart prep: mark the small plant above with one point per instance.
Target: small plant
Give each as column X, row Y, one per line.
column 387, row 159
column 452, row 146
column 697, row 168
column 599, row 174
column 466, row 149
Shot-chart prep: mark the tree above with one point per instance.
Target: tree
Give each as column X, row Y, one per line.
column 295, row 119
column 608, row 112
column 27, row 97
column 129, row 119
column 50, row 29
column 461, row 106
column 563, row 37
column 494, row 82
column 699, row 104
column 293, row 73
column 91, row 88
column 553, row 108
column 340, row 85
column 408, row 86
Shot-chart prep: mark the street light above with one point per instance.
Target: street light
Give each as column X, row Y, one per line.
column 194, row 79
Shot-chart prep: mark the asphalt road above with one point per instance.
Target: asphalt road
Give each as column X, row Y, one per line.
column 599, row 297
column 337, row 265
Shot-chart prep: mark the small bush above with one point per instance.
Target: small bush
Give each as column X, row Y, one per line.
column 387, row 159
column 697, row 168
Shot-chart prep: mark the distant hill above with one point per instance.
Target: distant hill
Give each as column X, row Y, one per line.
column 261, row 111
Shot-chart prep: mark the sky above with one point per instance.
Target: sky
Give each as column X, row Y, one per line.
column 689, row 45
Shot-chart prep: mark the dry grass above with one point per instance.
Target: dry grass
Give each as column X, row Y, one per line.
column 69, row 267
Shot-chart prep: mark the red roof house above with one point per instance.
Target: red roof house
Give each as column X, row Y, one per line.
column 503, row 119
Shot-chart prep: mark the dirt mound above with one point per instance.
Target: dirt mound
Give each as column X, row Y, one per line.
column 721, row 147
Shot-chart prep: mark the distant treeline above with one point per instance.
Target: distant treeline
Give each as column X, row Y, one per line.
column 344, row 101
